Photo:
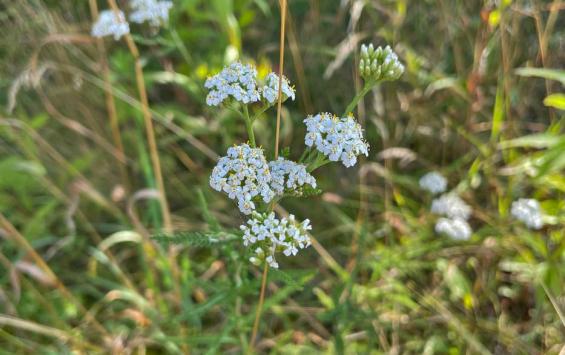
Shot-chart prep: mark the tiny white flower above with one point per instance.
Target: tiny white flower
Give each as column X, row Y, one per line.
column 237, row 81
column 110, row 23
column 340, row 139
column 452, row 206
column 270, row 91
column 152, row 11
column 243, row 175
column 528, row 211
column 433, row 182
column 287, row 175
column 455, row 228
column 284, row 235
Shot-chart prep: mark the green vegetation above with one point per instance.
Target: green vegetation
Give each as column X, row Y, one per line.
column 91, row 260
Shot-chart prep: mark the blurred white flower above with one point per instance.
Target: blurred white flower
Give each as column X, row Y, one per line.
column 290, row 176
column 236, row 80
column 455, row 228
column 433, row 182
column 528, row 211
column 451, row 206
column 337, row 138
column 110, row 23
column 153, row 11
column 243, row 174
column 271, row 89
column 270, row 235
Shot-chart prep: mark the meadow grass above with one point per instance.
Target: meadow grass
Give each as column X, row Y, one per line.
column 112, row 241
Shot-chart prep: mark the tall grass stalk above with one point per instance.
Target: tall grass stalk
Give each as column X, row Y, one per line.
column 109, row 99
column 150, row 131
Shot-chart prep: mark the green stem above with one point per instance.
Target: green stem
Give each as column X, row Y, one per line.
column 249, row 125
column 260, row 112
column 318, row 161
column 366, row 88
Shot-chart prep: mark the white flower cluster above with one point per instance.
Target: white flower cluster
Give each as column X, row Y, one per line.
column 153, row 11
column 379, row 64
column 286, row 174
column 456, row 228
column 270, row 91
column 269, row 235
column 243, row 174
column 433, row 182
column 236, row 80
column 452, row 206
column 528, row 211
column 337, row 138
column 457, row 211
column 110, row 23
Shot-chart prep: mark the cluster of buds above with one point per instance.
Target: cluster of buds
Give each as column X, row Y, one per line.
column 379, row 64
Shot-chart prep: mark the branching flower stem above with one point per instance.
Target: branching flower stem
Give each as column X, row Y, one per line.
column 366, row 88
column 249, row 126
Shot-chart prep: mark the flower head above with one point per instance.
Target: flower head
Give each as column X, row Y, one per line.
column 456, row 228
column 243, row 174
column 337, row 138
column 379, row 64
column 433, row 182
column 270, row 91
column 237, row 80
column 452, row 206
column 528, row 211
column 110, row 23
column 153, row 11
column 268, row 235
column 290, row 176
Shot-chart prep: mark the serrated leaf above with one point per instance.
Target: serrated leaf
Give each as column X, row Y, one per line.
column 279, row 275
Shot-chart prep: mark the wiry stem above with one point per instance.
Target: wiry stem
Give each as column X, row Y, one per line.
column 281, row 66
column 110, row 103
column 282, row 4
column 260, row 305
column 150, row 132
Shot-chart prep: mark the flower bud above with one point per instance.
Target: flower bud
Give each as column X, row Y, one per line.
column 379, row 64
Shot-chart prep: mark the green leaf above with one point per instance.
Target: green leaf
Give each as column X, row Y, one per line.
column 555, row 100
column 497, row 114
column 550, row 74
column 542, row 140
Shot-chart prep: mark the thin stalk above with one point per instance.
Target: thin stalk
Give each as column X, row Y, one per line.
column 249, row 126
column 283, row 6
column 281, row 66
column 182, row 48
column 110, row 103
column 150, row 132
column 260, row 305
column 366, row 88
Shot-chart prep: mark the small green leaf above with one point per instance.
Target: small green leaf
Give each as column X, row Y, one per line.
column 555, row 100
column 550, row 74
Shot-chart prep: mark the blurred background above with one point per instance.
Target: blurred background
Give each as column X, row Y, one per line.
column 481, row 101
